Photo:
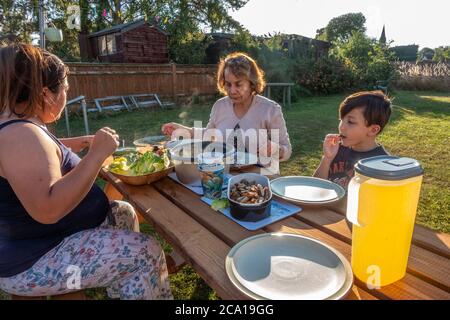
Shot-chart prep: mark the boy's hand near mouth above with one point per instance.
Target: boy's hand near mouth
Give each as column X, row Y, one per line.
column 331, row 145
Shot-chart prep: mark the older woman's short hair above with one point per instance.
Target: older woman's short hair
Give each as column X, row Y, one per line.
column 240, row 64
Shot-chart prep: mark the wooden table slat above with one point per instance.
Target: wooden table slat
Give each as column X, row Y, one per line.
column 422, row 263
column 402, row 289
column 228, row 232
column 193, row 205
column 217, row 223
column 206, row 237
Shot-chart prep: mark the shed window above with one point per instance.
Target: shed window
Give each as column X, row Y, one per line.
column 107, row 44
column 111, row 43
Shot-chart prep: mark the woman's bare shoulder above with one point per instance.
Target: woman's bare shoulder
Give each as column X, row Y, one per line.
column 23, row 135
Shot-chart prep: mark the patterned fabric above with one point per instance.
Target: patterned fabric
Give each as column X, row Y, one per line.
column 130, row 264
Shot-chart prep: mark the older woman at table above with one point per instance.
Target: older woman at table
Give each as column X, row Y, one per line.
column 241, row 80
column 58, row 231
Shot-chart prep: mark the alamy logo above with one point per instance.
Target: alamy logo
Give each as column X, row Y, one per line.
column 263, row 142
column 73, row 21
column 74, row 279
column 374, row 280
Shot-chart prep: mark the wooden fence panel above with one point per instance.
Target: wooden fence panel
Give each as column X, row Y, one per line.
column 96, row 80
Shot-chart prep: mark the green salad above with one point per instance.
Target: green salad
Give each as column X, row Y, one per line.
column 138, row 164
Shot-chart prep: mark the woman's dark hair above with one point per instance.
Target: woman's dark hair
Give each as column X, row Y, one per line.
column 25, row 71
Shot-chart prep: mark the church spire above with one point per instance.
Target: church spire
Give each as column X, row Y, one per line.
column 383, row 37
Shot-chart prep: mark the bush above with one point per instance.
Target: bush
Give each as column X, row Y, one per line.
column 324, row 76
column 368, row 60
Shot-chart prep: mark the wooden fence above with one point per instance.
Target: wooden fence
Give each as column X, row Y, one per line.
column 96, row 80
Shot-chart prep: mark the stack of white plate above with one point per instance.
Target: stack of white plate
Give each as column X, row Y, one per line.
column 279, row 266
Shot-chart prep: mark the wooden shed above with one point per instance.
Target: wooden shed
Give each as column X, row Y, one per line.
column 300, row 46
column 134, row 42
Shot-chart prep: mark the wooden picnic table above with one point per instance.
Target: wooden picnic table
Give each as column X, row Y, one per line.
column 204, row 237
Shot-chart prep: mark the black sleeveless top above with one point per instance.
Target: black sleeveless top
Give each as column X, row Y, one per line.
column 23, row 240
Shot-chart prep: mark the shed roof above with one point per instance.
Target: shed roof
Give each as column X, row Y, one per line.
column 123, row 28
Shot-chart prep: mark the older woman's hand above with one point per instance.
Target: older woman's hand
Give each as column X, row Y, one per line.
column 105, row 142
column 168, row 128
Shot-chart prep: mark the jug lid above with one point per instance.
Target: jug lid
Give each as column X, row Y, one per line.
column 389, row 167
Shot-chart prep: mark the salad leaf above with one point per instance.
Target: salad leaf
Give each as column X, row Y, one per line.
column 221, row 203
column 136, row 164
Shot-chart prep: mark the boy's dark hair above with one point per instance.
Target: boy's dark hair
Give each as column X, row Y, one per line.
column 377, row 107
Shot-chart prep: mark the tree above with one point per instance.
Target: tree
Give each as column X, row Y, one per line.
column 19, row 18
column 425, row 54
column 368, row 60
column 442, row 54
column 184, row 20
column 341, row 28
column 406, row 53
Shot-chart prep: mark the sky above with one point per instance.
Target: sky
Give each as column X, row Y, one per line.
column 425, row 22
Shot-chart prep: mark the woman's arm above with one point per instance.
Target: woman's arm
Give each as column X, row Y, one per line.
column 31, row 162
column 76, row 144
column 277, row 122
column 168, row 128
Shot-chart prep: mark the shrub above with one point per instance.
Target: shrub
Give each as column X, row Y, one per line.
column 324, row 76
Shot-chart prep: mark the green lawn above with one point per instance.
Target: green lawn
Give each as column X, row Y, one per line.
column 419, row 128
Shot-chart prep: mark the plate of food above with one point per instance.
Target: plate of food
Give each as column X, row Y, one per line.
column 138, row 168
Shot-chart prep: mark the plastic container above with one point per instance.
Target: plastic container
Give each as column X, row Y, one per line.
column 185, row 158
column 211, row 167
column 382, row 204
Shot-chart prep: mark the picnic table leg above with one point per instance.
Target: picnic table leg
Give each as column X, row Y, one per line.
column 113, row 194
column 66, row 113
column 86, row 125
column 289, row 96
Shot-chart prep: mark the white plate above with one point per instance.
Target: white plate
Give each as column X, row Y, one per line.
column 306, row 190
column 244, row 159
column 280, row 266
column 150, row 140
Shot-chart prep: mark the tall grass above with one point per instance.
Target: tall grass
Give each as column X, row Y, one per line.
column 423, row 76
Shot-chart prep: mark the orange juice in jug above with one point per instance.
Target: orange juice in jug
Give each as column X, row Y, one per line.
column 382, row 204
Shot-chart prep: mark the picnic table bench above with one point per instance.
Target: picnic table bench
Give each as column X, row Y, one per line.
column 204, row 237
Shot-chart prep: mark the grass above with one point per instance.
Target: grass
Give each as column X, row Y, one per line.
column 419, row 128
